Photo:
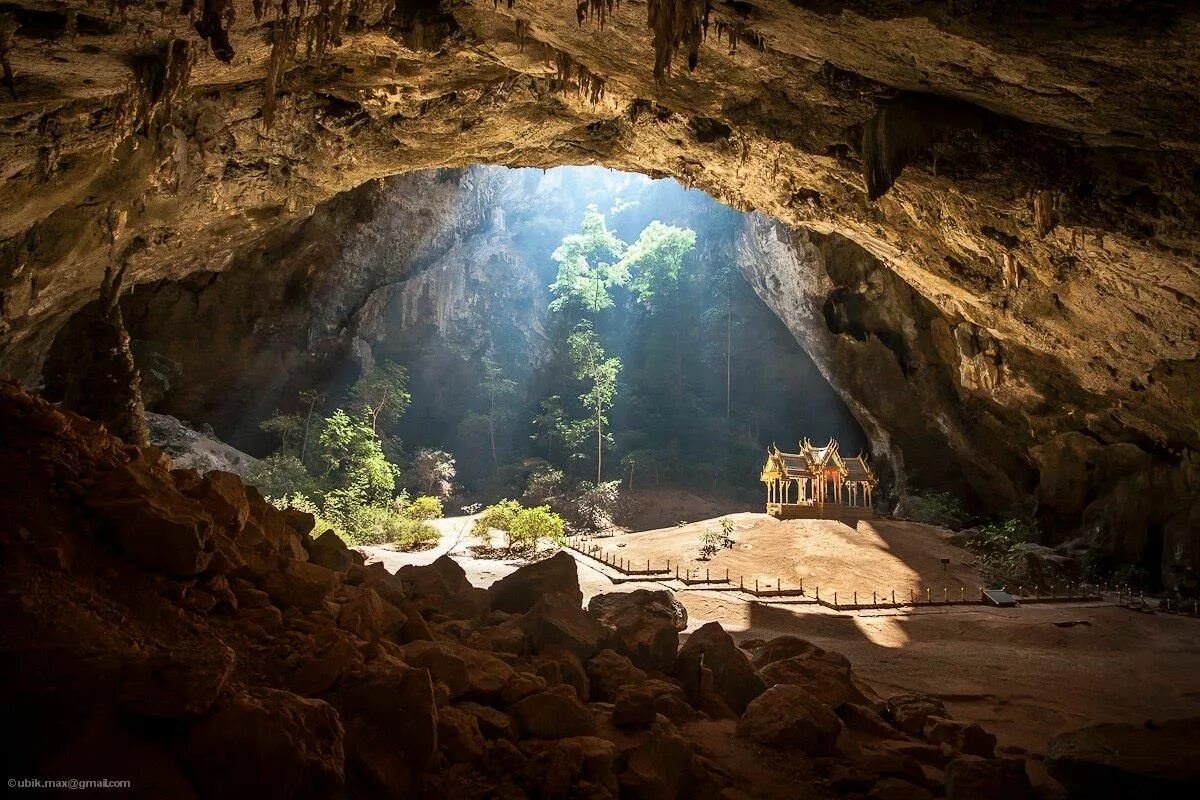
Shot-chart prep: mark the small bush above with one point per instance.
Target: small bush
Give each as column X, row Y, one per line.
column 531, row 525
column 280, row 475
column 996, row 546
column 543, row 485
column 424, row 508
column 597, row 504
column 726, row 532
column 937, row 508
column 710, row 543
column 498, row 516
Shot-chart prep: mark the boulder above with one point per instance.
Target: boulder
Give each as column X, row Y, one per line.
column 786, row 716
column 555, row 620
column 828, row 681
column 636, row 705
column 558, row 665
column 975, row 778
column 493, row 723
column 897, row 789
column 865, row 720
column 966, row 737
column 782, row 647
column 442, row 578
column 911, row 710
column 153, row 522
column 375, row 576
column 553, row 714
column 181, row 682
column 464, row 670
column 273, row 527
column 367, row 615
column 733, row 678
column 1112, row 760
column 521, row 685
column 658, row 766
column 459, row 736
column 608, row 671
column 320, row 673
column 391, row 728
column 1039, row 565
column 223, row 497
column 562, row 768
column 268, row 743
column 517, row 592
column 301, row 584
column 647, row 625
column 330, row 552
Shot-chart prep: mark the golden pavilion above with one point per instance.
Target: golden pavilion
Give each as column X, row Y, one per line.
column 817, row 482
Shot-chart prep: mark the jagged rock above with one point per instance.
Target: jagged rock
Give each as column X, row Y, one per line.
column 647, row 625
column 414, row 628
column 788, row 717
column 391, row 728
column 966, row 737
column 608, row 671
column 636, row 705
column 368, row 616
column 459, row 736
column 1117, row 761
column 974, row 778
column 375, row 576
column 153, row 522
column 558, row 665
column 329, row 551
column 493, row 723
column 555, row 620
column 518, row 591
column 781, row 647
column 898, row 789
column 268, row 743
column 658, row 766
column 318, row 674
column 865, row 720
column 462, row 669
column 507, row 637
column 553, row 714
column 910, row 711
column 556, row 768
column 182, row 682
column 224, row 499
column 733, row 678
column 442, row 578
column 301, row 584
column 828, row 681
column 521, row 685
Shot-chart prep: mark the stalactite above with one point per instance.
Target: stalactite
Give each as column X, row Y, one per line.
column 570, row 74
column 212, row 27
column 1045, row 211
column 598, row 10
column 159, row 81
column 522, row 28
column 677, row 24
column 737, row 32
column 284, row 37
column 8, row 30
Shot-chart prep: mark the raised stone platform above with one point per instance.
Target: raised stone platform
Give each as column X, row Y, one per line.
column 836, row 511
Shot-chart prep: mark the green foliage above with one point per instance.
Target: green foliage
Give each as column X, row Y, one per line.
column 498, row 516
column 588, row 266
column 936, row 508
column 599, row 373
column 424, row 508
column 655, row 260
column 543, row 485
column 531, row 526
column 998, row 554
column 287, row 428
column 280, row 474
column 726, row 531
column 382, row 393
column 432, row 471
column 710, row 543
column 353, row 460
column 596, row 505
column 549, row 425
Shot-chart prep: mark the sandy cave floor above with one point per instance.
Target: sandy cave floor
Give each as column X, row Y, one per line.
column 1025, row 673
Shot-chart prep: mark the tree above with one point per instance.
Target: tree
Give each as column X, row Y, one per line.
column 497, row 388
column 383, row 392
column 589, row 265
column 548, row 424
column 433, row 471
column 531, row 525
column 354, row 461
column 720, row 321
column 655, row 260
column 287, row 428
column 600, row 373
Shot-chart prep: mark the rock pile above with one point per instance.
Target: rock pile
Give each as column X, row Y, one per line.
column 176, row 630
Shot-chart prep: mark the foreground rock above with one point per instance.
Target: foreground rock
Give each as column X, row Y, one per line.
column 710, row 661
column 1116, row 761
column 647, row 625
column 517, row 592
column 788, row 717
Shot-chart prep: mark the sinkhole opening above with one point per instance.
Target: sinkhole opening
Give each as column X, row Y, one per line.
column 564, row 336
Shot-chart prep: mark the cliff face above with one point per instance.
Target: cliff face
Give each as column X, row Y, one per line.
column 1023, row 175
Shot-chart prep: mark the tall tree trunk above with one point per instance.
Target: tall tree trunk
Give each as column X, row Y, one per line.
column 599, row 442
column 728, row 356
column 492, row 435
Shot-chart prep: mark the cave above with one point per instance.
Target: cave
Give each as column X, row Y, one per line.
column 386, row 388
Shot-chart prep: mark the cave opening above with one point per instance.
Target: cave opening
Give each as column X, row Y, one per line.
column 449, row 309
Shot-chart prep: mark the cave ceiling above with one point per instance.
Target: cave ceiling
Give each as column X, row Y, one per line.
column 1030, row 173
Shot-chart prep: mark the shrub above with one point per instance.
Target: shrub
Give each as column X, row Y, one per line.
column 726, row 531
column 709, row 543
column 424, row 508
column 498, row 516
column 597, row 504
column 542, row 485
column 280, row 475
column 531, row 525
column 937, row 508
column 996, row 546
column 409, row 533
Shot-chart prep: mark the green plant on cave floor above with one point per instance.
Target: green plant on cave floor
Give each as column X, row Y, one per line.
column 936, row 508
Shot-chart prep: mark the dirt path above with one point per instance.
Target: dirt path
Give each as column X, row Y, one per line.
column 1024, row 673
